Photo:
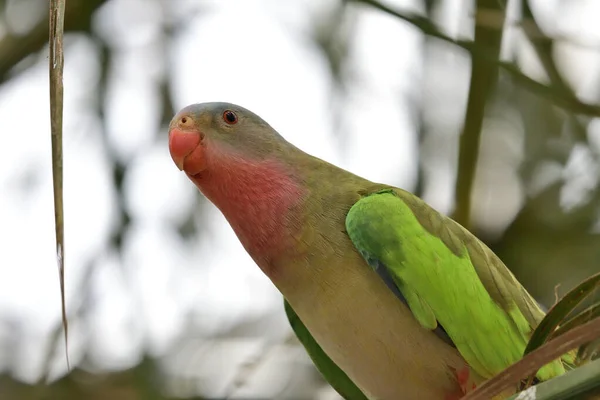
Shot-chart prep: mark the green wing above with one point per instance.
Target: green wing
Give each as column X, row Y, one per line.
column 330, row 371
column 448, row 276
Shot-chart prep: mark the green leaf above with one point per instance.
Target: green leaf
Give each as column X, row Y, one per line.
column 560, row 311
column 575, row 384
column 586, row 315
column 531, row 362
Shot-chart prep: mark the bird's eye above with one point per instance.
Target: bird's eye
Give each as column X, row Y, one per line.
column 230, row 117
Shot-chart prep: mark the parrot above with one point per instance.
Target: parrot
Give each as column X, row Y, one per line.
column 390, row 298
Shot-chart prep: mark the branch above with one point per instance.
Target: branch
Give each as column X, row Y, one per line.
column 568, row 102
column 529, row 364
column 483, row 80
column 56, row 61
column 571, row 385
column 543, row 48
column 15, row 48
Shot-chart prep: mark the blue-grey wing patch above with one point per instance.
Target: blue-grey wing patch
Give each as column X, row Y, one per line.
column 384, row 274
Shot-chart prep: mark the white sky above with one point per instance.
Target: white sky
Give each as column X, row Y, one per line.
column 254, row 53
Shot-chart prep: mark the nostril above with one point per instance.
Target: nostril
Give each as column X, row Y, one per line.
column 186, row 122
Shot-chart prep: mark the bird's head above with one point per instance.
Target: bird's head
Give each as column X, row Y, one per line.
column 200, row 134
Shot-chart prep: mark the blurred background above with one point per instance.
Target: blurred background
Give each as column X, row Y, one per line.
column 488, row 110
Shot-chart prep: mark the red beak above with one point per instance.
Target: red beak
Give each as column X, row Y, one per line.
column 181, row 145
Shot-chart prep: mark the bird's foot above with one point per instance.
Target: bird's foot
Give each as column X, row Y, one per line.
column 463, row 377
column 466, row 384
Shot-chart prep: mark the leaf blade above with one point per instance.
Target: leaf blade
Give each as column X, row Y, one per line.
column 56, row 66
column 560, row 310
column 529, row 364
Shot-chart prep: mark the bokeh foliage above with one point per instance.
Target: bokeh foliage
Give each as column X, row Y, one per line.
column 531, row 132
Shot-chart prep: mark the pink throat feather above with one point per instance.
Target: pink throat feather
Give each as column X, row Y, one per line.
column 258, row 199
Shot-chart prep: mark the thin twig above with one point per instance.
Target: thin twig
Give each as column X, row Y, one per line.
column 568, row 102
column 533, row 361
column 542, row 46
column 56, row 60
column 578, row 384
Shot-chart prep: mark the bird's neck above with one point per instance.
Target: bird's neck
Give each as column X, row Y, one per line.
column 260, row 201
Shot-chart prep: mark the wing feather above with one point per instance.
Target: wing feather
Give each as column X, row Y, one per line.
column 444, row 270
